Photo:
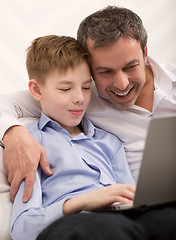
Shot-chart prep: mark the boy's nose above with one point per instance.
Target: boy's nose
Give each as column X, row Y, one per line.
column 78, row 97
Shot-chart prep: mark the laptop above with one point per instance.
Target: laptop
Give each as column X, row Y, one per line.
column 156, row 184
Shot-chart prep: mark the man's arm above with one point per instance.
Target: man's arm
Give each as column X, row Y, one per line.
column 22, row 152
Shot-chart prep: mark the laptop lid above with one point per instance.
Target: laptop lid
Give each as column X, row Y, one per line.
column 157, row 177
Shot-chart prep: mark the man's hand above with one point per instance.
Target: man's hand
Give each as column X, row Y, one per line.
column 22, row 155
column 100, row 198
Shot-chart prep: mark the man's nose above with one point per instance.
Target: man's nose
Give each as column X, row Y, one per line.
column 121, row 80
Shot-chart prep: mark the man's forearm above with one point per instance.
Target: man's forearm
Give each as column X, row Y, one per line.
column 14, row 106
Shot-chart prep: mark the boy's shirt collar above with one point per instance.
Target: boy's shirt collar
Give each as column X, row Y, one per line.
column 88, row 127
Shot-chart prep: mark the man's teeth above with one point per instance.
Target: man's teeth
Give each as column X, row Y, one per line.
column 122, row 94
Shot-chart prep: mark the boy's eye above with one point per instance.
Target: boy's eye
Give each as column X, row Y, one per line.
column 86, row 88
column 64, row 89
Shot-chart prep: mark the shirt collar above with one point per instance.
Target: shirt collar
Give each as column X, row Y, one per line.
column 162, row 80
column 45, row 120
column 88, row 127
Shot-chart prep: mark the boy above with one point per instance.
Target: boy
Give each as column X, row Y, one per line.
column 89, row 166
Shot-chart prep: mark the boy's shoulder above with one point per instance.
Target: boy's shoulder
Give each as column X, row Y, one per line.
column 32, row 127
column 107, row 141
column 34, row 130
column 101, row 132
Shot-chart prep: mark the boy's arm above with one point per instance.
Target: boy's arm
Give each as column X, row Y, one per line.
column 100, row 198
column 29, row 219
column 22, row 153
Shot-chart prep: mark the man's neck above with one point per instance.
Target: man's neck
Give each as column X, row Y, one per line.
column 145, row 99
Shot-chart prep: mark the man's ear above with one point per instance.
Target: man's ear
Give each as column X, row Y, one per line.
column 146, row 54
column 34, row 88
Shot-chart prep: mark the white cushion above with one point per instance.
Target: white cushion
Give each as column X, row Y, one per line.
column 5, row 203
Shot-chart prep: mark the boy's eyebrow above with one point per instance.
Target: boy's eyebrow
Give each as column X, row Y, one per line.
column 70, row 82
column 88, row 81
column 64, row 82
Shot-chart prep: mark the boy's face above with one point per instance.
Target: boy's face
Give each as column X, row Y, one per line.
column 118, row 70
column 65, row 97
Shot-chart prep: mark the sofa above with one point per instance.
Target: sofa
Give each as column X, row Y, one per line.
column 5, row 203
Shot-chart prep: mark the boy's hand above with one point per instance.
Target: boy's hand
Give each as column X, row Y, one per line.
column 22, row 155
column 100, row 198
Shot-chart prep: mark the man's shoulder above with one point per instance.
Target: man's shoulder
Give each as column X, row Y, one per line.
column 164, row 68
column 170, row 70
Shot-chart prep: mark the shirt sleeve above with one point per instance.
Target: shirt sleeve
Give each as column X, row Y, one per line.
column 29, row 219
column 14, row 106
column 120, row 165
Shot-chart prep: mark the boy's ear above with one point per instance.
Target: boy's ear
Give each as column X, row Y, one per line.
column 34, row 88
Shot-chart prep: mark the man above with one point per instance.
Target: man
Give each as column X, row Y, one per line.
column 131, row 89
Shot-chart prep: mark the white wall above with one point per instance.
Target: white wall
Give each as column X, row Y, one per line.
column 23, row 20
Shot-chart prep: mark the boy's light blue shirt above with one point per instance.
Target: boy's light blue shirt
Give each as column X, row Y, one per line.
column 81, row 164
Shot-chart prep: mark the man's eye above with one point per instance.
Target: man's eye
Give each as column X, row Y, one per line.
column 105, row 72
column 130, row 67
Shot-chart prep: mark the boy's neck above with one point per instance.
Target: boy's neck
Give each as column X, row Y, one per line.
column 74, row 131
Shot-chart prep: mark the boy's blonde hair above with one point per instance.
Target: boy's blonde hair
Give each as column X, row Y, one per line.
column 50, row 53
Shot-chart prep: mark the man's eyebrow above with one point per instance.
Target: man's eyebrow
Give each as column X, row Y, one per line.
column 102, row 68
column 134, row 61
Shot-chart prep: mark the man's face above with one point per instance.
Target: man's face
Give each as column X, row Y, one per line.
column 118, row 70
